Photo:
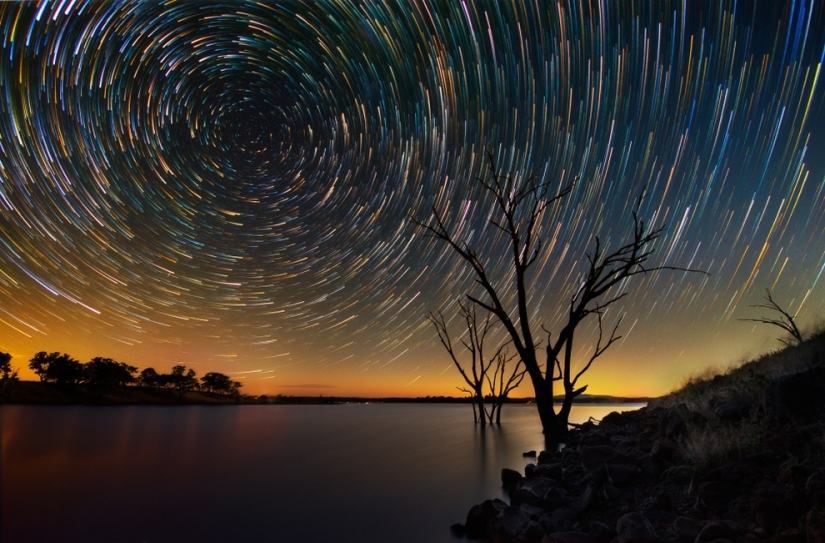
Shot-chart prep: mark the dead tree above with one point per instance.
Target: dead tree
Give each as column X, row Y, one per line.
column 475, row 374
column 519, row 207
column 785, row 321
column 501, row 383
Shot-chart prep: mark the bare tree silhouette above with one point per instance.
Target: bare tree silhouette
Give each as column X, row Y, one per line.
column 785, row 320
column 519, row 205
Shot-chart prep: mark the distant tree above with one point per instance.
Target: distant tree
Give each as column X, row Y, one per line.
column 219, row 383
column 57, row 368
column 6, row 371
column 519, row 204
column 8, row 376
column 785, row 320
column 105, row 372
column 148, row 378
column 181, row 380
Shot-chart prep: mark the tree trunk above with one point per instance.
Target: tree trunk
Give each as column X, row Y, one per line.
column 482, row 414
column 551, row 425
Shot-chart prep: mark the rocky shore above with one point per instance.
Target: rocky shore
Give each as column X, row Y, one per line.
column 742, row 461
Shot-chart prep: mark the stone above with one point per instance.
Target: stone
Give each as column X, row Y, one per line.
column 548, row 457
column 815, row 488
column 551, row 471
column 666, row 449
column 601, row 531
column 480, row 515
column 568, row 537
column 594, row 439
column 533, row 532
column 529, row 454
column 614, row 417
column 717, row 495
column 775, row 507
column 509, row 478
column 532, row 491
column 734, row 410
column 508, row 524
column 815, row 524
column 797, row 396
column 635, row 528
column 533, row 512
column 620, row 468
column 686, row 529
column 593, row 458
column 715, row 529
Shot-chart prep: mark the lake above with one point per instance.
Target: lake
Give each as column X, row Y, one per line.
column 317, row 473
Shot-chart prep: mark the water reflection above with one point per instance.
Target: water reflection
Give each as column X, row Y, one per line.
column 272, row 473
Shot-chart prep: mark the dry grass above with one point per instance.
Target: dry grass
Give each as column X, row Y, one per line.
column 746, row 380
column 706, row 447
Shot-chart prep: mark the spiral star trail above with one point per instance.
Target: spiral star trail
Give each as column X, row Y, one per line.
column 227, row 185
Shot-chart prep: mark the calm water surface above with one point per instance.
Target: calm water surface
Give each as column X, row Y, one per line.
column 346, row 473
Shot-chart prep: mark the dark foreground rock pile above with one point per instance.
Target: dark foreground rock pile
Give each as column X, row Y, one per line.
column 629, row 479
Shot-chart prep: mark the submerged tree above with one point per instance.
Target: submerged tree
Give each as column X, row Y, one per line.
column 477, row 372
column 519, row 205
column 785, row 320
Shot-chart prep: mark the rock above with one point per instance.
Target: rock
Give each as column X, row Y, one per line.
column 672, row 422
column 815, row 488
column 568, row 537
column 458, row 529
column 533, row 491
column 508, row 524
column 533, row 512
column 601, row 531
column 533, row 532
column 635, row 528
column 666, row 449
column 794, row 535
column 797, row 396
column 774, row 506
column 529, row 454
column 620, row 468
column 551, row 471
column 480, row 515
column 594, row 439
column 509, row 478
column 734, row 410
column 614, row 417
column 576, row 507
column 593, row 458
column 815, row 523
column 548, row 457
column 715, row 529
column 686, row 529
column 717, row 495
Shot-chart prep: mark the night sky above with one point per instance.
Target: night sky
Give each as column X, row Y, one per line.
column 226, row 184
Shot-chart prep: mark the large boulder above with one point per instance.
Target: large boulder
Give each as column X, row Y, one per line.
column 480, row 516
column 686, row 529
column 716, row 529
column 509, row 478
column 594, row 458
column 797, row 396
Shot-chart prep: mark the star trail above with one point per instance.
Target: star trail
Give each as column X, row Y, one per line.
column 227, row 185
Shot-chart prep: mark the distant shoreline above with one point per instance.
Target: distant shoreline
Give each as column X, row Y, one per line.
column 38, row 393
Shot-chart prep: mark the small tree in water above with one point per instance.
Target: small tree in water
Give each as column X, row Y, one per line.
column 519, row 205
column 477, row 374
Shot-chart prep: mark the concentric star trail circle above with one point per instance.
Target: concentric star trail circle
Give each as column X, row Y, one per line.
column 228, row 183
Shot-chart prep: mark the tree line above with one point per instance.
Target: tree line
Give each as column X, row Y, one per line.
column 99, row 372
